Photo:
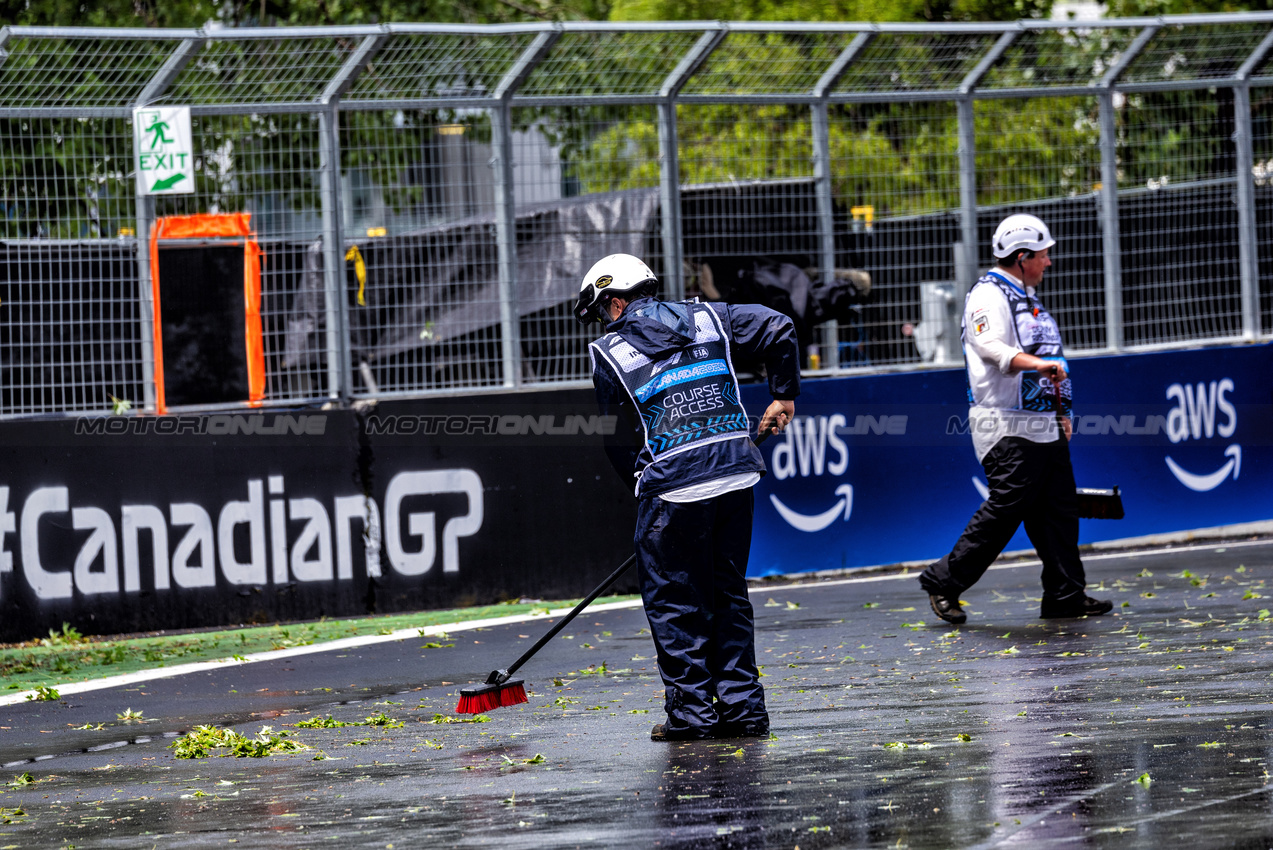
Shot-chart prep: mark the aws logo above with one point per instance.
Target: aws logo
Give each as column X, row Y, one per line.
column 1202, row 411
column 809, row 447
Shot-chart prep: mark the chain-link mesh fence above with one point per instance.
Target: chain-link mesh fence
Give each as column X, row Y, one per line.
column 426, row 199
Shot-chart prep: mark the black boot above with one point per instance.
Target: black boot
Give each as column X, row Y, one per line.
column 1076, row 606
column 947, row 608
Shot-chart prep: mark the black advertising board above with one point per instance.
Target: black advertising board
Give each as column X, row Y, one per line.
column 126, row 524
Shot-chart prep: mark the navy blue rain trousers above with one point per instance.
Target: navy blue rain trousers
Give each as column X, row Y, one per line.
column 692, row 560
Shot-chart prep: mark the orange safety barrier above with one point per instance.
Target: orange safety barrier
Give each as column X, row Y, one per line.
column 214, row 226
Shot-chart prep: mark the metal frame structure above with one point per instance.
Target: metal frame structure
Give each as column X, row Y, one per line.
column 346, row 73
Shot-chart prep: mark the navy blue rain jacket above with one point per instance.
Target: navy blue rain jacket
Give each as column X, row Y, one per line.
column 658, row 329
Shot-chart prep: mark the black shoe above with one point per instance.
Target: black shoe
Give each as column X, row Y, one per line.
column 688, row 733
column 1085, row 606
column 947, row 608
column 748, row 729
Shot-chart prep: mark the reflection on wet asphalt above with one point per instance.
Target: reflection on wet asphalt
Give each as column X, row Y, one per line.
column 1147, row 728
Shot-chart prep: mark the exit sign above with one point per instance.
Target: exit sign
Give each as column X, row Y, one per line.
column 163, row 150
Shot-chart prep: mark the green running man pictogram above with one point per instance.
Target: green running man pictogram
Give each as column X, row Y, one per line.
column 158, row 128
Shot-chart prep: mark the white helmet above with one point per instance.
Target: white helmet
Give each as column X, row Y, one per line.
column 616, row 275
column 1020, row 231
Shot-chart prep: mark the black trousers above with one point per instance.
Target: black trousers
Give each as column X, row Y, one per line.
column 692, row 561
column 1031, row 483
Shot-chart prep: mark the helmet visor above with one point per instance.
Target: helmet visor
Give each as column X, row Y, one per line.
column 586, row 307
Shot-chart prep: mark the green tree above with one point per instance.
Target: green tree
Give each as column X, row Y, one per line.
column 829, row 10
column 195, row 13
column 1135, row 8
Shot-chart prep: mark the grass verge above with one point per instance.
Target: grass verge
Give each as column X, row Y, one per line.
column 68, row 656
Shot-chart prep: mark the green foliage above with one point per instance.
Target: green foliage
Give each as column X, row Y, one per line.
column 64, row 177
column 445, row 718
column 327, row 722
column 22, row 780
column 383, row 720
column 196, row 13
column 43, row 693
column 203, row 741
column 1134, row 8
column 69, row 636
column 837, row 10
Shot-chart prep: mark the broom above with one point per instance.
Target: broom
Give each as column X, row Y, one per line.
column 500, row 690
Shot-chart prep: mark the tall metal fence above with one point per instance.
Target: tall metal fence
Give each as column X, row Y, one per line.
column 479, row 171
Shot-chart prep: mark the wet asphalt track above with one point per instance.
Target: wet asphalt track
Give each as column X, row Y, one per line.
column 891, row 730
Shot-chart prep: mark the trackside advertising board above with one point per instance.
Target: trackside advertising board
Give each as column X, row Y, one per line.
column 132, row 523
column 124, row 524
column 880, row 469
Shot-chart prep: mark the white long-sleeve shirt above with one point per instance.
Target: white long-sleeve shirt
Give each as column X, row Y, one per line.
column 993, row 335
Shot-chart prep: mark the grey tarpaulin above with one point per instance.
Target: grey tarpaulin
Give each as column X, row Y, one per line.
column 442, row 282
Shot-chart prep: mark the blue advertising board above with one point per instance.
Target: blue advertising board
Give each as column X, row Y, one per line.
column 880, row 469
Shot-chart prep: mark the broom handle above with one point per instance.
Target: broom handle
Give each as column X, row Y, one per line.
column 588, row 600
column 574, row 612
column 1056, row 401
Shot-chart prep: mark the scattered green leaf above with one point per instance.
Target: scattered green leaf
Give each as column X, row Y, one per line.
column 327, row 722
column 446, row 718
column 383, row 720
column 202, row 741
column 43, row 693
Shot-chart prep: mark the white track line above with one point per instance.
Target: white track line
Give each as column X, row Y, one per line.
column 427, row 631
column 292, row 652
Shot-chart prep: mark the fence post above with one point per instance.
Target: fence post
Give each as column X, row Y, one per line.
column 823, row 188
column 339, row 368
column 145, row 213
column 506, row 243
column 669, row 160
column 340, row 376
column 966, row 276
column 145, row 219
column 670, row 202
column 506, row 202
column 1111, row 240
column 829, row 330
column 1248, row 236
column 1248, row 244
